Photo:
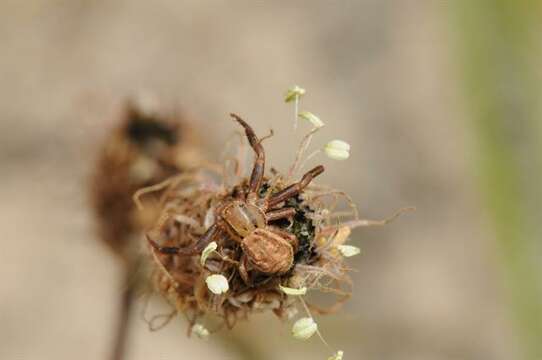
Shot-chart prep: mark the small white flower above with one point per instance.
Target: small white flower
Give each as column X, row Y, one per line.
column 337, row 356
column 313, row 119
column 348, row 250
column 304, row 328
column 217, row 284
column 200, row 331
column 292, row 291
column 294, row 93
column 209, row 249
column 337, row 150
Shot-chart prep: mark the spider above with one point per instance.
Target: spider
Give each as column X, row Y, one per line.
column 245, row 219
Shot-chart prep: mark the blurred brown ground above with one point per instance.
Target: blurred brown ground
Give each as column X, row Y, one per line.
column 377, row 72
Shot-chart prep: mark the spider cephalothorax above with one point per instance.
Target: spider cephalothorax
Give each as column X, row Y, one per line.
column 246, row 217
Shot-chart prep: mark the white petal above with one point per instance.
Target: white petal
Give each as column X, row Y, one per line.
column 293, row 93
column 348, row 250
column 217, row 284
column 209, row 249
column 337, row 356
column 313, row 119
column 292, row 291
column 304, row 328
column 200, row 331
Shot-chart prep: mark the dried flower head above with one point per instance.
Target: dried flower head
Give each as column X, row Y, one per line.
column 145, row 148
column 272, row 238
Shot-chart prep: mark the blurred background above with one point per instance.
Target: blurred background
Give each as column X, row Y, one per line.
column 439, row 99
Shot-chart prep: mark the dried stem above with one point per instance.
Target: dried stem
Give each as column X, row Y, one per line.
column 302, row 148
column 126, row 303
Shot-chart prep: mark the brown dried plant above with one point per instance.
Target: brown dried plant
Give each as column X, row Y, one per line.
column 224, row 241
column 269, row 238
column 144, row 148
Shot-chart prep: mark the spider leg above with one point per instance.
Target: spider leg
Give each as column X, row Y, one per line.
column 286, row 235
column 258, row 170
column 296, row 188
column 280, row 214
column 188, row 251
column 243, row 270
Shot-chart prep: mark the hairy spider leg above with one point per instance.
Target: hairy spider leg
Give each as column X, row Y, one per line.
column 258, row 170
column 296, row 188
column 209, row 236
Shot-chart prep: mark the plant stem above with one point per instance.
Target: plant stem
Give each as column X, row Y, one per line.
column 126, row 303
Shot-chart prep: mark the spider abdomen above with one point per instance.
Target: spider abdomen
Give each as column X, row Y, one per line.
column 268, row 252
